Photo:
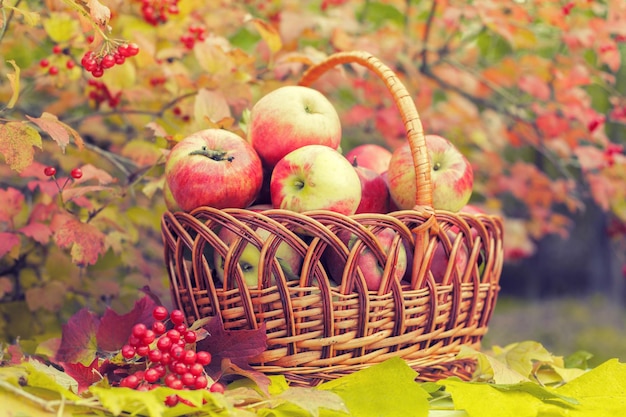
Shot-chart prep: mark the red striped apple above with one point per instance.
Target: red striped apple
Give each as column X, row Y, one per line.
column 213, row 167
column 291, row 117
column 315, row 177
column 370, row 155
column 288, row 258
column 374, row 192
column 451, row 175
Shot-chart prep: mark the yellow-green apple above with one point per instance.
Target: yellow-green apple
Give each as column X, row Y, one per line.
column 315, row 177
column 213, row 167
column 451, row 174
column 367, row 261
column 370, row 155
column 288, row 258
column 291, row 117
column 374, row 192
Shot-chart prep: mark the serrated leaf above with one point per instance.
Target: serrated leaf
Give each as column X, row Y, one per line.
column 211, row 105
column 14, row 82
column 78, row 340
column 84, row 376
column 85, row 240
column 489, row 368
column 375, row 391
column 269, row 34
column 50, row 124
column 39, row 232
column 16, row 144
column 114, row 329
column 45, row 376
column 12, row 203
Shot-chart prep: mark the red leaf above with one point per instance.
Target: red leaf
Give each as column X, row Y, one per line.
column 85, row 240
column 84, row 375
column 78, row 340
column 552, row 125
column 7, row 242
column 235, row 346
column 37, row 231
column 12, row 203
column 115, row 329
column 534, row 86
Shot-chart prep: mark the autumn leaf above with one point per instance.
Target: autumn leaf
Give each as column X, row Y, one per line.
column 12, row 203
column 7, row 242
column 99, row 12
column 211, row 105
column 14, row 82
column 84, row 239
column 37, row 231
column 78, row 340
column 236, row 346
column 84, row 375
column 269, row 34
column 16, row 144
column 114, row 328
column 58, row 131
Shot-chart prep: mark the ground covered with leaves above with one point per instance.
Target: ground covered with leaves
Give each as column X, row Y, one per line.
column 79, row 374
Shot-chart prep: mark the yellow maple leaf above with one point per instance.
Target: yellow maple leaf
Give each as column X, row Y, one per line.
column 16, row 144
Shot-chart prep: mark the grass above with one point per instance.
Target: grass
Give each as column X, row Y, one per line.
column 563, row 325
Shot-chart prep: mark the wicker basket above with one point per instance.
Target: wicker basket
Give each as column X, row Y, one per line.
column 318, row 329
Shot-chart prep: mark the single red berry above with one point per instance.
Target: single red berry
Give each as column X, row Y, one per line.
column 148, row 337
column 187, row 379
column 160, row 369
column 134, row 341
column 131, row 381
column 174, row 335
column 164, row 343
column 49, row 171
column 44, row 63
column 57, row 49
column 133, row 49
column 128, row 352
column 155, row 355
column 203, row 358
column 107, row 61
column 217, row 387
column 158, row 327
column 70, row 64
column 173, row 9
column 179, row 368
column 196, row 369
column 181, row 328
column 177, row 352
column 98, row 72
column 166, row 358
column 160, row 313
column 53, row 70
column 152, row 375
column 142, row 350
column 190, row 336
column 139, row 330
column 177, row 317
column 189, row 357
column 76, row 173
column 201, row 382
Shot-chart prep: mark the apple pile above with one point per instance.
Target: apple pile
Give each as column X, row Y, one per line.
column 292, row 160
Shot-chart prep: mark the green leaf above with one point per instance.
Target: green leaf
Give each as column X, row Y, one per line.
column 492, row 46
column 50, row 379
column 61, row 27
column 379, row 13
column 601, row 391
column 374, row 391
column 313, row 400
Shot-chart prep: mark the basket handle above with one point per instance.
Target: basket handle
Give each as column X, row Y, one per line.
column 405, row 104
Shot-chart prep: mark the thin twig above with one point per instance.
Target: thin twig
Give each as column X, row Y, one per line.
column 427, row 29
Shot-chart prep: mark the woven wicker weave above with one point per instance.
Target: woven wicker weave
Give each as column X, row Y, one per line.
column 318, row 329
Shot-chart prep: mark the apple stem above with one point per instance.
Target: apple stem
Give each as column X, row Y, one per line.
column 436, row 166
column 213, row 154
column 354, row 162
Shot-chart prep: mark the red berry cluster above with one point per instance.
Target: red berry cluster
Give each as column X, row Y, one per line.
column 51, row 63
column 170, row 356
column 100, row 93
column 156, row 11
column 194, row 33
column 611, row 150
column 97, row 63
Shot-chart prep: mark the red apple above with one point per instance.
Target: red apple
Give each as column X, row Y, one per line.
column 213, row 167
column 315, row 177
column 288, row 258
column 441, row 260
column 291, row 117
column 370, row 155
column 370, row 267
column 374, row 192
column 391, row 205
column 451, row 175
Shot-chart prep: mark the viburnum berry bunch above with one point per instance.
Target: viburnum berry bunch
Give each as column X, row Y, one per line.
column 157, row 11
column 194, row 34
column 169, row 356
column 100, row 93
column 109, row 56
